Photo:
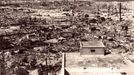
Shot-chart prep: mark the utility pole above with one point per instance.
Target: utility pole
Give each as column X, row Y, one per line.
column 108, row 11
column 47, row 59
column 98, row 10
column 73, row 12
column 46, row 65
column 120, row 12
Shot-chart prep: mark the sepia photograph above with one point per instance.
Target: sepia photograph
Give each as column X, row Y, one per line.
column 66, row 37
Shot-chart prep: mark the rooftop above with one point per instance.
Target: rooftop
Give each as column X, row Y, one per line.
column 76, row 64
column 93, row 71
column 74, row 60
column 92, row 44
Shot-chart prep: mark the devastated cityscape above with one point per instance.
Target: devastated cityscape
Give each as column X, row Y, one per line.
column 66, row 37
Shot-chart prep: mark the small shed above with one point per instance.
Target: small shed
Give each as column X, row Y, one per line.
column 92, row 48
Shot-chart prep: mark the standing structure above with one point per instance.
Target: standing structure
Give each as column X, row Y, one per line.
column 120, row 12
column 80, row 63
column 92, row 48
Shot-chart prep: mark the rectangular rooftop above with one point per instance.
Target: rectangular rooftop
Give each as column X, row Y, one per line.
column 92, row 44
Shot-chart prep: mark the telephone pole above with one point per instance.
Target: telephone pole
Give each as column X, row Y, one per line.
column 120, row 12
column 98, row 9
column 108, row 10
